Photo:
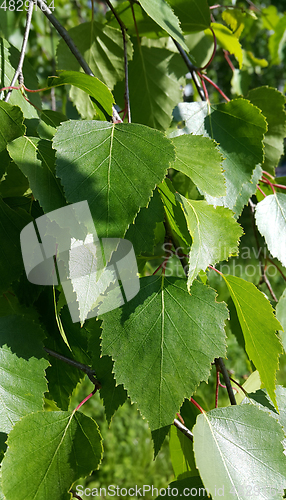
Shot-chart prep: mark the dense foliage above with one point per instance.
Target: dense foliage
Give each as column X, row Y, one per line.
column 192, row 175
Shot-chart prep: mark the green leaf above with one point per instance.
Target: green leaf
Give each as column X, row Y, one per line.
column 163, row 345
column 11, row 262
column 107, row 65
column 258, row 325
column 238, row 127
column 62, row 377
column 194, row 15
column 272, row 104
column 114, row 167
column 181, row 453
column 239, row 453
column 215, row 235
column 227, row 40
column 9, row 60
column 277, row 41
column 270, row 17
column 198, row 158
column 281, row 316
column 235, row 19
column 142, row 232
column 36, row 159
column 70, row 448
column 190, row 485
column 11, row 120
column 270, row 216
column 144, row 24
column 155, row 79
column 14, row 182
column 102, row 47
column 161, row 12
column 112, row 394
column 175, row 218
column 102, row 97
column 50, row 121
column 22, row 365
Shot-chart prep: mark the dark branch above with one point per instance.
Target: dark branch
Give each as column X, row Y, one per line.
column 86, row 369
column 221, row 366
column 192, row 69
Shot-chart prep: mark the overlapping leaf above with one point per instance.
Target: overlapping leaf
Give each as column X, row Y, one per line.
column 189, row 485
column 161, row 12
column 141, row 232
column 155, row 78
column 215, row 235
column 11, row 123
column 22, row 367
column 194, row 15
column 70, row 448
column 11, row 262
column 175, row 218
column 238, row 127
column 163, row 342
column 62, row 377
column 258, row 325
column 36, row 158
column 102, row 97
column 198, row 158
column 239, row 453
column 114, row 167
column 272, row 104
column 112, row 394
column 227, row 40
column 270, row 216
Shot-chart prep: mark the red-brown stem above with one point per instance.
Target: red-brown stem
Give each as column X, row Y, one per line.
column 180, row 418
column 238, row 385
column 216, row 270
column 267, row 181
column 197, row 405
column 86, row 399
column 262, row 192
column 204, row 88
column 214, row 51
column 228, row 60
column 272, row 262
column 214, row 85
column 267, row 173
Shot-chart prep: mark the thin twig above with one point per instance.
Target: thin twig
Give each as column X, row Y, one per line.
column 277, row 267
column 123, row 31
column 205, row 77
column 73, row 48
column 192, row 69
column 221, row 366
column 214, row 51
column 18, row 72
column 183, row 429
column 86, row 369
